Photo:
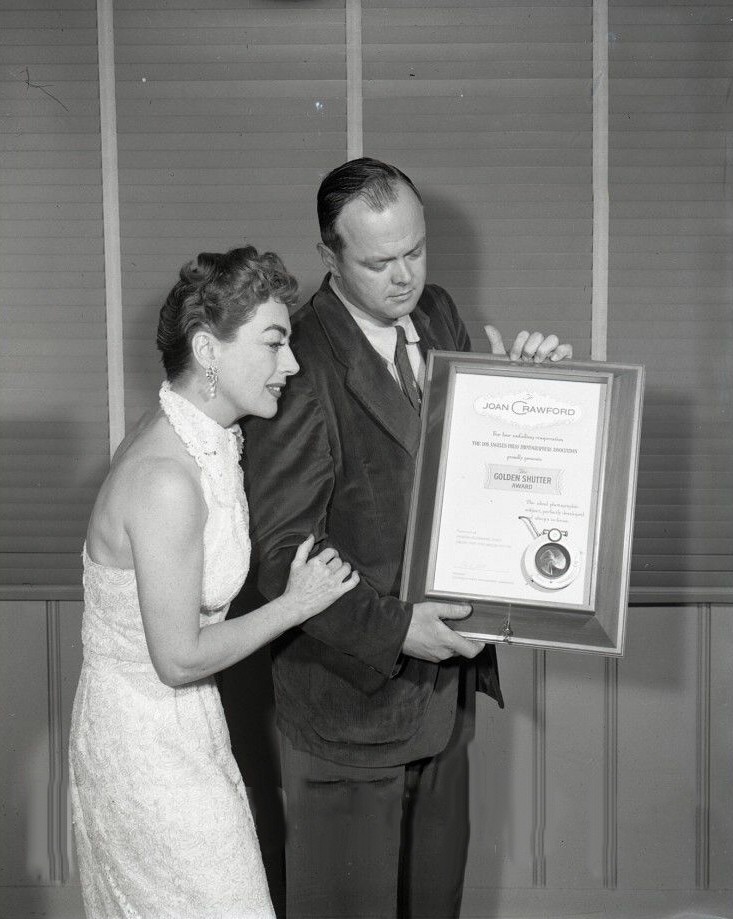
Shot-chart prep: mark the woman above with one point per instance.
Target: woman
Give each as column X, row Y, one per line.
column 162, row 824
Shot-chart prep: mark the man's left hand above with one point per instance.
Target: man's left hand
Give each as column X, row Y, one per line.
column 529, row 346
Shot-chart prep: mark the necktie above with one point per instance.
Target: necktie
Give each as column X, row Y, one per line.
column 404, row 370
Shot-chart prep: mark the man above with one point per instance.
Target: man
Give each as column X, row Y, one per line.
column 375, row 697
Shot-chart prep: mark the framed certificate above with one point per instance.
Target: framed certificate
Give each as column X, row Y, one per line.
column 524, row 497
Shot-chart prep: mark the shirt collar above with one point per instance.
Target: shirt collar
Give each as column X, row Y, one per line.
column 378, row 334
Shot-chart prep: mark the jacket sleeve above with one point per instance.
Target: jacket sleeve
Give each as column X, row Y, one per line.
column 446, row 308
column 289, row 479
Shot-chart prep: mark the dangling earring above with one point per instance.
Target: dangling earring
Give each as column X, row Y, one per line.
column 212, row 376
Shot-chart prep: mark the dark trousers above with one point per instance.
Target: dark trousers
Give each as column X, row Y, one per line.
column 377, row 843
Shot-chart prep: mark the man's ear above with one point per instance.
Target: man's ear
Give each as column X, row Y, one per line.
column 328, row 257
column 204, row 348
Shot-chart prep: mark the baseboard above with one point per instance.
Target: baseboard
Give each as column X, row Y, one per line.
column 508, row 903
column 64, row 902
column 57, row 902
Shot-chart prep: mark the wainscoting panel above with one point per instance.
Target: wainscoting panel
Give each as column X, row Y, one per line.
column 25, row 747
column 605, row 785
column 720, row 820
column 70, row 660
column 657, row 749
column 577, row 781
column 503, row 803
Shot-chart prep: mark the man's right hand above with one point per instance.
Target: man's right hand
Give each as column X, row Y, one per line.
column 429, row 638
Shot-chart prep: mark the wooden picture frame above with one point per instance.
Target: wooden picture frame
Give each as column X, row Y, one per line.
column 523, row 499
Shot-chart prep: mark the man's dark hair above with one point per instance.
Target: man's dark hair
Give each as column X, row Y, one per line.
column 374, row 182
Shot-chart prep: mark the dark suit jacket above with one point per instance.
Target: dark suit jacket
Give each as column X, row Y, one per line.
column 338, row 461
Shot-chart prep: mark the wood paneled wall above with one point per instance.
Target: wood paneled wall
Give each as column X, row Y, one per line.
column 604, row 785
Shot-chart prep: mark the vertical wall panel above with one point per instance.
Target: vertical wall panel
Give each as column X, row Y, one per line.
column 502, row 803
column 721, row 748
column 488, row 106
column 70, row 656
column 657, row 750
column 229, row 114
column 576, row 789
column 53, row 414
column 24, row 751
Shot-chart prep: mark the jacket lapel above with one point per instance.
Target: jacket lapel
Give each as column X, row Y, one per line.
column 367, row 377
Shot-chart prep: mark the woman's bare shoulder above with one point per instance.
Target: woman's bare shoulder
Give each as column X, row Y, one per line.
column 152, row 481
column 154, row 464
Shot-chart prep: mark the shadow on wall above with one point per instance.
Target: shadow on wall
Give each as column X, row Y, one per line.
column 672, row 481
column 457, row 263
column 452, row 249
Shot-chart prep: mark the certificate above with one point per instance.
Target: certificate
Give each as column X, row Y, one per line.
column 514, row 481
column 516, row 514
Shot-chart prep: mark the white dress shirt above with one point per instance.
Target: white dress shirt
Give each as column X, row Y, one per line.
column 383, row 338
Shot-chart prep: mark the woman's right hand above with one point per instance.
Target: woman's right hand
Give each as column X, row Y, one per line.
column 315, row 583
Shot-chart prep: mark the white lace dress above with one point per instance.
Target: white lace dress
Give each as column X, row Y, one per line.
column 162, row 824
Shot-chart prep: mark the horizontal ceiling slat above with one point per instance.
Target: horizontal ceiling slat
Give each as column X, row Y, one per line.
column 22, row 6
column 9, row 529
column 716, row 482
column 44, row 159
column 261, row 156
column 258, row 115
column 527, row 53
column 41, row 545
column 54, row 229
column 323, row 63
column 212, row 175
column 258, row 198
column 468, row 66
column 69, row 509
column 277, row 33
column 51, row 402
column 41, row 572
column 543, row 236
column 25, row 193
column 304, row 141
column 41, row 495
column 34, row 443
column 70, row 143
column 426, row 29
column 58, row 469
column 528, row 7
column 31, row 54
column 216, row 5
column 382, row 119
column 177, row 60
column 680, row 512
column 697, row 582
column 49, row 35
column 716, row 568
column 690, row 530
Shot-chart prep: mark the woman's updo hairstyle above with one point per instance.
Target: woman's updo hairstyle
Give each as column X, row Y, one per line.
column 219, row 293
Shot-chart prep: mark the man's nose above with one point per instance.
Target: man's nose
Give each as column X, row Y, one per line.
column 401, row 273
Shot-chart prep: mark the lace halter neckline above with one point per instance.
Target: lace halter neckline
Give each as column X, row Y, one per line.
column 215, row 449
